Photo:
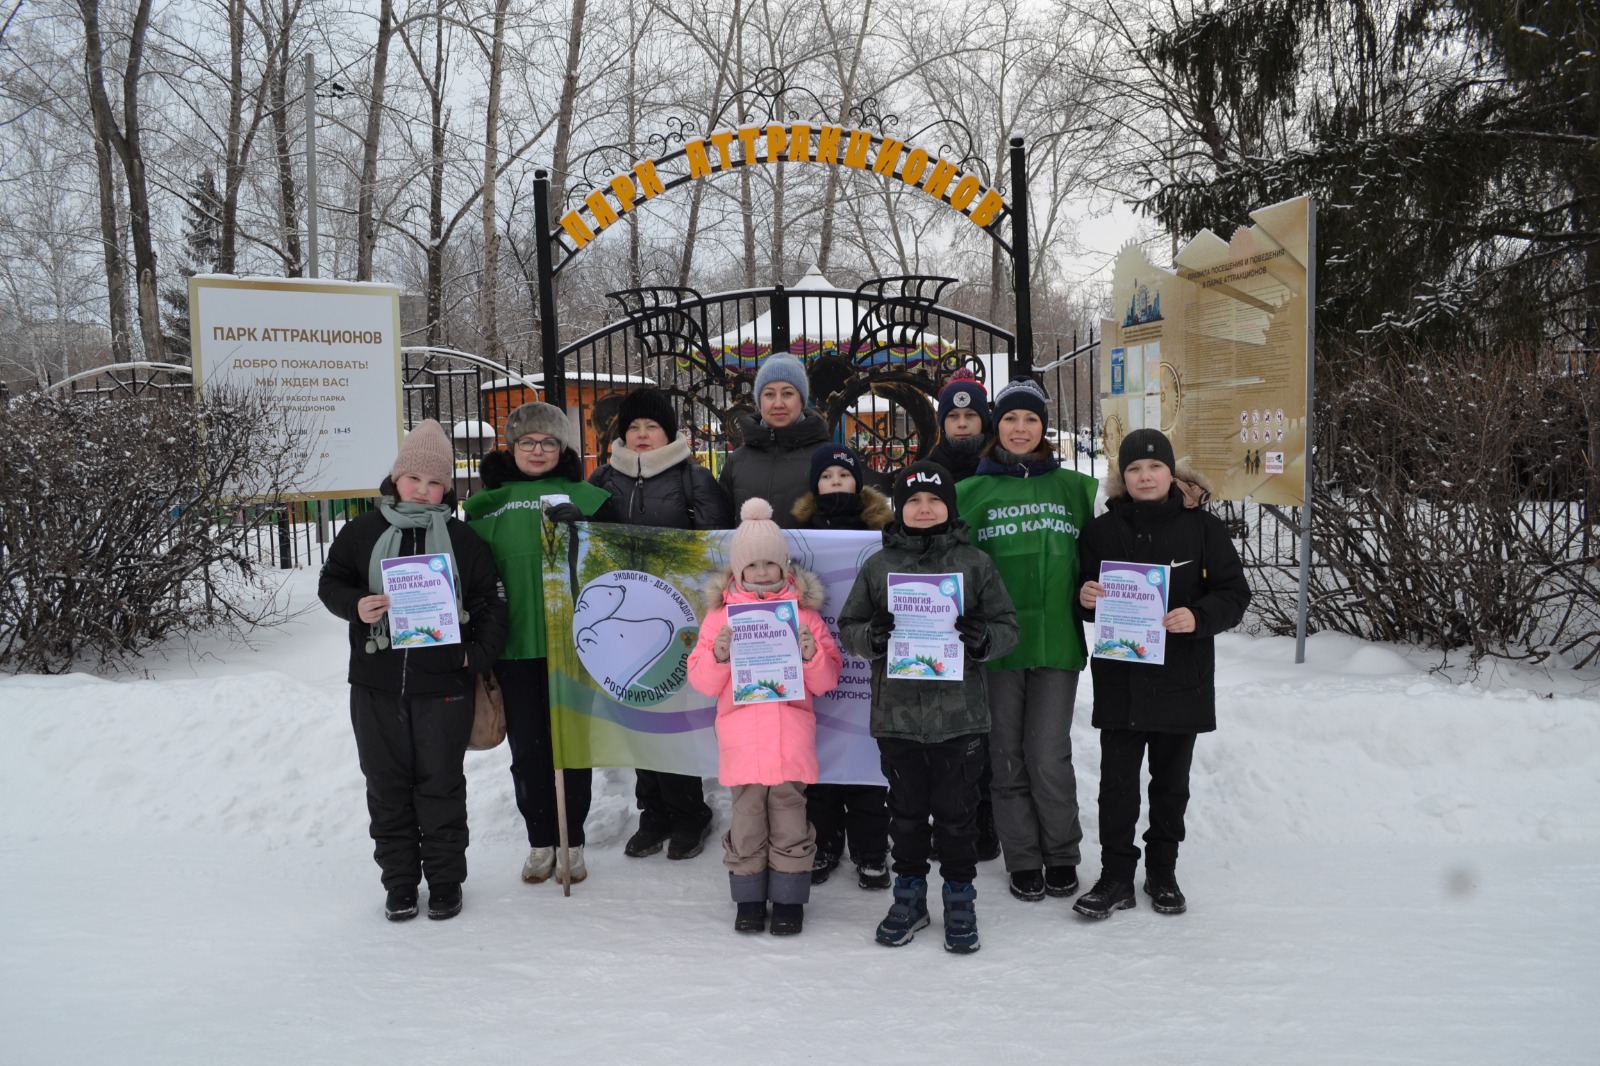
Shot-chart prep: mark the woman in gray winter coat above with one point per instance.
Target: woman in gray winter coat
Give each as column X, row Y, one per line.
column 774, row 462
column 654, row 481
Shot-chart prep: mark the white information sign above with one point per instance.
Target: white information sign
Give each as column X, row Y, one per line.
column 330, row 352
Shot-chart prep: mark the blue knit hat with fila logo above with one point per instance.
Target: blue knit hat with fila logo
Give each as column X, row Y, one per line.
column 835, row 455
column 925, row 477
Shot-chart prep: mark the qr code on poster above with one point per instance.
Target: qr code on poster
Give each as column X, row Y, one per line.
column 901, row 649
column 1108, row 632
column 952, row 651
column 402, row 622
column 1153, row 636
column 447, row 619
column 741, row 677
column 791, row 674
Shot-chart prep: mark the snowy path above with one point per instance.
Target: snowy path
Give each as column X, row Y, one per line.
column 1383, row 866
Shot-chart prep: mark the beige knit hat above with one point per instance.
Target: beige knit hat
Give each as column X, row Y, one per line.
column 426, row 452
column 758, row 538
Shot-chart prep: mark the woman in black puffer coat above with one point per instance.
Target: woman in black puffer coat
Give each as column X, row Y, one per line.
column 774, row 462
column 654, row 481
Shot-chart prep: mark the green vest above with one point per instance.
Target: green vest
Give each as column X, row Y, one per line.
column 510, row 520
column 1029, row 527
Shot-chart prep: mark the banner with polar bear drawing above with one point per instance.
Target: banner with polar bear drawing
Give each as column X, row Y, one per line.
column 623, row 606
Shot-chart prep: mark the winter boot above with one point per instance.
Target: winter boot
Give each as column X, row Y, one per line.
column 687, row 843
column 540, row 865
column 444, row 901
column 873, row 872
column 908, row 913
column 1027, row 885
column 988, row 835
column 1060, row 880
column 787, row 918
column 1106, row 896
column 750, row 918
column 960, row 917
column 401, row 904
column 644, row 842
column 1165, row 895
column 577, row 871
column 823, row 864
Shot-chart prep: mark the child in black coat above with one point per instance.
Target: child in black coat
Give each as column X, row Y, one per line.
column 1156, row 515
column 412, row 707
column 859, row 814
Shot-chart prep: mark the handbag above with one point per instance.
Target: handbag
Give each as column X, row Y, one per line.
column 488, row 714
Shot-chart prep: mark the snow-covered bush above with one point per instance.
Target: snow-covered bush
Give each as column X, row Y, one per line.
column 1454, row 499
column 123, row 524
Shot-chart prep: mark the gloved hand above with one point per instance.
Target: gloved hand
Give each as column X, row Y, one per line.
column 564, row 512
column 974, row 634
column 879, row 628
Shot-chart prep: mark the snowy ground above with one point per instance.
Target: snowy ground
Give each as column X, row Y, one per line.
column 1383, row 865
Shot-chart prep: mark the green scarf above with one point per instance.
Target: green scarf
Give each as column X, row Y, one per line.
column 435, row 518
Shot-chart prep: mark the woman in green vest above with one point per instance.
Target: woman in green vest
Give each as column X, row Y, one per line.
column 541, row 476
column 1026, row 512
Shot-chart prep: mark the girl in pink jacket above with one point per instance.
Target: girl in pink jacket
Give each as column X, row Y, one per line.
column 766, row 752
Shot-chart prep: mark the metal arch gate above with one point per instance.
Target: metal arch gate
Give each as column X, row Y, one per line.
column 772, row 121
column 877, row 385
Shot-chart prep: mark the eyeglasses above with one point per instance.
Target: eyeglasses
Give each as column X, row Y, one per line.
column 528, row 444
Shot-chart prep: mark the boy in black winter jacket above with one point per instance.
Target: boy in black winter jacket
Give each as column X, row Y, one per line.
column 412, row 708
column 930, row 733
column 840, row 499
column 1156, row 515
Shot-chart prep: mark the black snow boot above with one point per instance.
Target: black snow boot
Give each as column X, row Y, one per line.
column 401, row 904
column 1165, row 895
column 908, row 913
column 1106, row 896
column 1060, row 880
column 873, row 872
column 988, row 835
column 687, row 843
column 1027, row 885
column 787, row 918
column 644, row 842
column 960, row 917
column 823, row 863
column 444, row 901
column 751, row 918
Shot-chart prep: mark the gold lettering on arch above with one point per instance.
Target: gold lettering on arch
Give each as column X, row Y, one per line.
column 835, row 145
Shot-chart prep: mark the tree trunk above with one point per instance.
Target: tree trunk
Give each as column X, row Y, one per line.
column 125, row 141
column 846, row 98
column 366, row 206
column 291, row 254
column 569, row 98
column 233, row 161
column 488, row 292
column 111, row 238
